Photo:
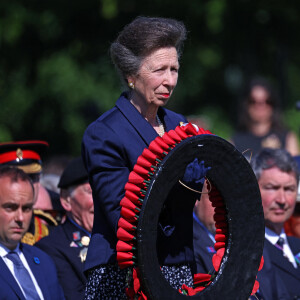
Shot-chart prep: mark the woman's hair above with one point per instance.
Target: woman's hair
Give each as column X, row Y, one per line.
column 273, row 100
column 268, row 158
column 140, row 38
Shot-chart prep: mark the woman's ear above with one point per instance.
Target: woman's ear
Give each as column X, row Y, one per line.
column 130, row 82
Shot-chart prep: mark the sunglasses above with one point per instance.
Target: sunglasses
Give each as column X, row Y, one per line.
column 253, row 102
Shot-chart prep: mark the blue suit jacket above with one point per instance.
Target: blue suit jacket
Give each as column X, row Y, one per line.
column 44, row 272
column 110, row 148
column 270, row 285
column 288, row 274
column 64, row 249
column 203, row 248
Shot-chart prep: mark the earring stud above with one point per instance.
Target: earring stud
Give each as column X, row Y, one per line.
column 131, row 85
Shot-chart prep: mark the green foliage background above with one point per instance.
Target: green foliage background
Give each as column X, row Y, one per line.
column 56, row 75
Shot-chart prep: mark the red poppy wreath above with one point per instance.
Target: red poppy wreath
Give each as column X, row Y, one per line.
column 235, row 196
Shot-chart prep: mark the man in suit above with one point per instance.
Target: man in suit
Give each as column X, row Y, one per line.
column 278, row 177
column 67, row 243
column 26, row 272
column 204, row 231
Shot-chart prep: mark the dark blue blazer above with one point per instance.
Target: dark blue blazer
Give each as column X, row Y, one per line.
column 288, row 274
column 270, row 285
column 44, row 272
column 110, row 148
column 64, row 246
column 203, row 248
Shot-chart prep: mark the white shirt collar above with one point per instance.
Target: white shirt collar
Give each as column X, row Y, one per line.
column 273, row 237
column 4, row 250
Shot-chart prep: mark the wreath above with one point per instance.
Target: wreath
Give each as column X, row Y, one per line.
column 236, row 201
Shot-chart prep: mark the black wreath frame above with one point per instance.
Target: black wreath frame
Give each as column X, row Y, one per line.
column 232, row 175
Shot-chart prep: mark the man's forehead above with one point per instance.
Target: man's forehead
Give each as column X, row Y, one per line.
column 12, row 190
column 277, row 175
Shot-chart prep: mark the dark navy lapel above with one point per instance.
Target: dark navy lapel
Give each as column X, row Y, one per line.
column 37, row 268
column 295, row 247
column 280, row 261
column 9, row 278
column 170, row 123
column 203, row 245
column 142, row 127
column 69, row 228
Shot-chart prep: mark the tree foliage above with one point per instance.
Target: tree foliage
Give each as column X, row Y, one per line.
column 56, row 75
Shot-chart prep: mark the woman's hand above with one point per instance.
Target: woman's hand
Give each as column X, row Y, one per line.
column 194, row 174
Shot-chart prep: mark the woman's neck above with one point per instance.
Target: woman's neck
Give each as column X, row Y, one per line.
column 149, row 112
column 260, row 128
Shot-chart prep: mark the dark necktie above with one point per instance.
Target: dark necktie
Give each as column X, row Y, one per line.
column 280, row 243
column 23, row 276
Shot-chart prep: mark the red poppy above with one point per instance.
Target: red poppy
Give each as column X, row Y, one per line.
column 126, row 225
column 219, row 217
column 124, row 235
column 155, row 148
column 128, row 204
column 199, row 278
column 255, row 287
column 181, row 132
column 162, row 144
column 129, row 215
column 126, row 264
column 135, row 189
column 174, row 136
column 133, row 198
column 143, row 162
column 124, row 246
column 142, row 171
column 151, row 157
column 219, row 237
column 171, row 142
column 190, row 129
column 217, row 258
column 261, row 263
column 125, row 256
column 135, row 178
column 136, row 280
column 219, row 245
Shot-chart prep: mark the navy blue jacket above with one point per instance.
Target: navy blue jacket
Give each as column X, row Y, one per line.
column 43, row 270
column 270, row 285
column 110, row 148
column 203, row 248
column 63, row 244
column 288, row 274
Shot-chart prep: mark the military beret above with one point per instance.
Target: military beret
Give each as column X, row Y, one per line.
column 25, row 155
column 74, row 174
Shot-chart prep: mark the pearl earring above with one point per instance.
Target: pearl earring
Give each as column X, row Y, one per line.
column 131, row 85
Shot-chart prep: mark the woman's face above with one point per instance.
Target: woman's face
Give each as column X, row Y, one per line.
column 157, row 76
column 260, row 108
